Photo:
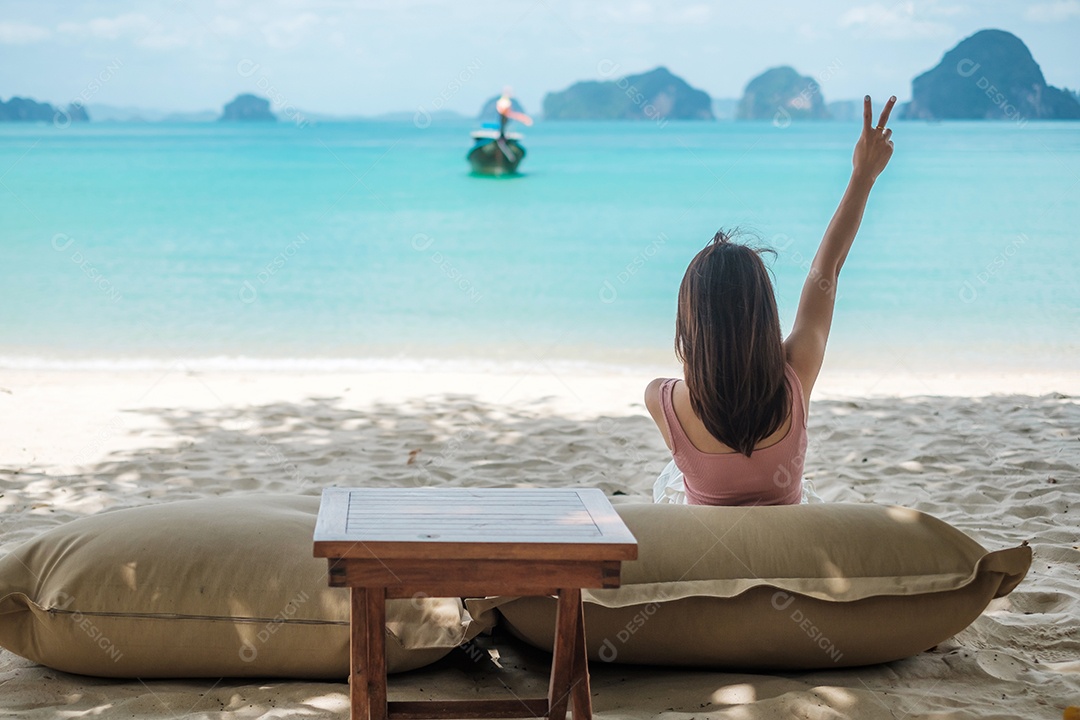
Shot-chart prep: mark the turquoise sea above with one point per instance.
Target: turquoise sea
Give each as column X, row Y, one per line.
column 369, row 242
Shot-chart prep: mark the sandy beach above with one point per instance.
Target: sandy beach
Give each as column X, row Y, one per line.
column 997, row 456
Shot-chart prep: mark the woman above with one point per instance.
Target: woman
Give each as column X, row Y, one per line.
column 736, row 425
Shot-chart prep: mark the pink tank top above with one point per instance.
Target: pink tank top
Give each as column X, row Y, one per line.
column 770, row 476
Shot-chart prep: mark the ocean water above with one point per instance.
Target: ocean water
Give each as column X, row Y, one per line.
column 369, row 242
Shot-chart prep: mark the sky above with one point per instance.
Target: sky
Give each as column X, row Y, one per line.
column 358, row 57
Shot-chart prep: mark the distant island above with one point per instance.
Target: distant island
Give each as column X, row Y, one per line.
column 988, row 76
column 248, row 108
column 655, row 95
column 19, row 109
column 781, row 94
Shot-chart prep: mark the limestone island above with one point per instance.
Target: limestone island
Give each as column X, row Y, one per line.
column 988, row 76
column 655, row 95
column 248, row 108
column 19, row 109
column 781, row 94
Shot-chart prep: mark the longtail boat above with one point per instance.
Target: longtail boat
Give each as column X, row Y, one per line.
column 496, row 153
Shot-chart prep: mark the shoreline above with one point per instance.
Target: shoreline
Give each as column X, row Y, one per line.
column 837, row 380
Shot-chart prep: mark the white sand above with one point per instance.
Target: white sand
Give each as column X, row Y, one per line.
column 1003, row 468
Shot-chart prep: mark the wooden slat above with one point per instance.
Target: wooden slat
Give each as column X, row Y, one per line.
column 607, row 520
column 473, row 578
column 476, row 494
column 333, row 513
column 410, row 710
column 358, row 653
column 416, row 528
column 492, row 531
column 450, row 508
column 562, row 656
column 565, row 521
column 419, row 497
column 378, row 514
column 376, row 653
column 488, row 534
column 451, row 512
column 370, row 527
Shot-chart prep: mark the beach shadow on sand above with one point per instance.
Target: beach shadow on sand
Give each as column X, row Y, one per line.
column 984, row 467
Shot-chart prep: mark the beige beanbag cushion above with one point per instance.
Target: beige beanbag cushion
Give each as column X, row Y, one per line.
column 221, row 587
column 787, row 587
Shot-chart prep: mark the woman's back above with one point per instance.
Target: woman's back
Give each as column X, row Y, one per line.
column 717, row 475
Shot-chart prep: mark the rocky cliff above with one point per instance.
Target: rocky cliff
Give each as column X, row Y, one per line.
column 781, row 94
column 248, row 108
column 988, row 76
column 19, row 109
column 656, row 95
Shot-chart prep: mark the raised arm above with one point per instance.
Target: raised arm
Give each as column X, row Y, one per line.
column 805, row 347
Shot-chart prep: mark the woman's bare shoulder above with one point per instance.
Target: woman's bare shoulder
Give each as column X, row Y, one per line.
column 656, row 409
column 652, row 397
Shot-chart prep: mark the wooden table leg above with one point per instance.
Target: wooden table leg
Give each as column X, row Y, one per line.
column 562, row 660
column 376, row 653
column 580, row 687
column 358, row 655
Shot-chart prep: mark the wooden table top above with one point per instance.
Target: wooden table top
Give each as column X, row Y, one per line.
column 471, row 523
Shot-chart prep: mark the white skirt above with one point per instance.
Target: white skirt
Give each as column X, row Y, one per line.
column 668, row 488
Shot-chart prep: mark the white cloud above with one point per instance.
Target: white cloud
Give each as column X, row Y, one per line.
column 638, row 12
column 289, row 32
column 226, row 26
column 947, row 10
column 162, row 41
column 642, row 12
column 691, row 15
column 16, row 33
column 1051, row 12
column 896, row 21
column 809, row 31
column 136, row 27
column 114, row 28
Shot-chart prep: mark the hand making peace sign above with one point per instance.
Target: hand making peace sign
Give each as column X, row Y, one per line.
column 875, row 146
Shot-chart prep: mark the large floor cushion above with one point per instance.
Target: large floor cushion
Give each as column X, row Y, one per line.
column 788, row 587
column 221, row 587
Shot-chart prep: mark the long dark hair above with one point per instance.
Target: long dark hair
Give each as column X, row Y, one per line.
column 727, row 335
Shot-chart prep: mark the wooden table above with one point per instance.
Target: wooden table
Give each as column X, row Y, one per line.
column 460, row 542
